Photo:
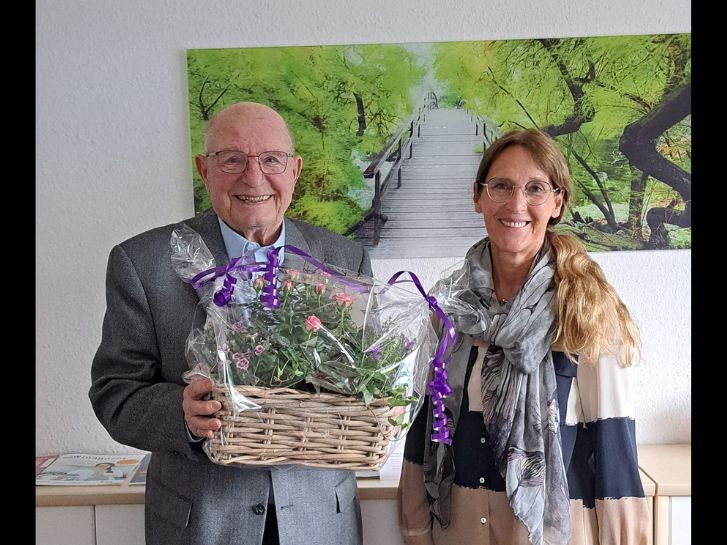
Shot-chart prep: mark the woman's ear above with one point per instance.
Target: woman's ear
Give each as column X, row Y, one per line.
column 558, row 204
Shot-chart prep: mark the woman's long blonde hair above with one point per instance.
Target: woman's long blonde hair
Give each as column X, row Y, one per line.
column 592, row 319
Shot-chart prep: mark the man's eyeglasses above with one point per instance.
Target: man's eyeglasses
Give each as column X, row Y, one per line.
column 235, row 162
column 536, row 192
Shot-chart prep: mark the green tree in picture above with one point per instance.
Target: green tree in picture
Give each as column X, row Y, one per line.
column 591, row 94
column 341, row 102
column 619, row 107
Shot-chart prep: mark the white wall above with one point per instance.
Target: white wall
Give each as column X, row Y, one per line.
column 113, row 160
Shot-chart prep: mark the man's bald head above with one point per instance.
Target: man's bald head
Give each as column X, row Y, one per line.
column 246, row 112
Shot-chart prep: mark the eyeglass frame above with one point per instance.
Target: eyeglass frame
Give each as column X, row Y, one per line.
column 555, row 190
column 247, row 162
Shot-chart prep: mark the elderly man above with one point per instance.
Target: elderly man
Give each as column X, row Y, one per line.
column 249, row 169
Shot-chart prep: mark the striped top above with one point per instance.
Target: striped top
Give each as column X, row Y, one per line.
column 599, row 453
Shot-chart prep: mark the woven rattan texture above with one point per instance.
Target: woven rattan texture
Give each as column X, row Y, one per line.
column 323, row 430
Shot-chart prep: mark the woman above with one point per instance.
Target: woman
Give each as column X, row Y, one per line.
column 543, row 448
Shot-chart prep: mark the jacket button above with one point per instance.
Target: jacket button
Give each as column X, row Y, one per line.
column 259, row 509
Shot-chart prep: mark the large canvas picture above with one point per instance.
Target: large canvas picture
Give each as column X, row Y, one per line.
column 391, row 134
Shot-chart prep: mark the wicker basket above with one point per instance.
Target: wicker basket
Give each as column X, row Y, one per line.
column 323, row 430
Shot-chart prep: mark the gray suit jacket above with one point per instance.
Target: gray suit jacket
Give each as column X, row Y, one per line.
column 136, row 393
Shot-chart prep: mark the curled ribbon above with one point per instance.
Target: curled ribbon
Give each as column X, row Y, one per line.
column 438, row 387
column 269, row 293
column 223, row 295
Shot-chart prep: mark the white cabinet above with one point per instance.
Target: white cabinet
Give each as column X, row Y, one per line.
column 108, row 522
column 673, row 520
column 681, row 520
column 380, row 519
column 114, row 515
column 119, row 524
column 64, row 526
column 669, row 466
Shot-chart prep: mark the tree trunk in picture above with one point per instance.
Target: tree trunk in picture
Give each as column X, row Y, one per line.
column 361, row 115
column 636, row 203
column 638, row 144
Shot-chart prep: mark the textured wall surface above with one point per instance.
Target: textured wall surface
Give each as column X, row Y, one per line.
column 112, row 145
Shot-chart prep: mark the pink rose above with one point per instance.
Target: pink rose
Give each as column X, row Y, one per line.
column 320, row 288
column 313, row 323
column 324, row 276
column 287, row 285
column 293, row 273
column 342, row 299
column 259, row 282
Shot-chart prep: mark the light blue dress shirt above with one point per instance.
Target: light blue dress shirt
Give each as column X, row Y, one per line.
column 237, row 245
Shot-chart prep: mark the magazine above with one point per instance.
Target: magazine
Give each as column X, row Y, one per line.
column 41, row 462
column 88, row 469
column 139, row 476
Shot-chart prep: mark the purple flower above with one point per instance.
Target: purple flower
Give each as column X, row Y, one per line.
column 242, row 361
column 259, row 349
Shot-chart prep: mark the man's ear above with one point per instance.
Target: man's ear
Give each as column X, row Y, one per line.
column 201, row 164
column 297, row 167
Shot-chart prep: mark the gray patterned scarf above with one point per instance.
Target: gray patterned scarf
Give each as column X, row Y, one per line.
column 519, row 399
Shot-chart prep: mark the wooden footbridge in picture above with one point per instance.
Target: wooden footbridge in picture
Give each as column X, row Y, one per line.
column 422, row 205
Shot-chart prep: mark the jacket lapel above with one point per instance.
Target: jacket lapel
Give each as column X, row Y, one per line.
column 294, row 237
column 209, row 229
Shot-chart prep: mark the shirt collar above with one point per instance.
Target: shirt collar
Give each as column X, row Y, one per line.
column 237, row 245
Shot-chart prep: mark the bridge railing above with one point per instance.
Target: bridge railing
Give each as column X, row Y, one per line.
column 393, row 151
column 488, row 132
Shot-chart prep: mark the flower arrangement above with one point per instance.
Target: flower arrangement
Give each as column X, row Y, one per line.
column 323, row 333
column 313, row 365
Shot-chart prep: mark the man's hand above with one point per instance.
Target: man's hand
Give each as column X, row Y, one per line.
column 197, row 410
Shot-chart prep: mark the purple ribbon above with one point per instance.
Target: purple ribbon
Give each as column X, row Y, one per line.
column 350, row 282
column 438, row 388
column 223, row 295
column 269, row 294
